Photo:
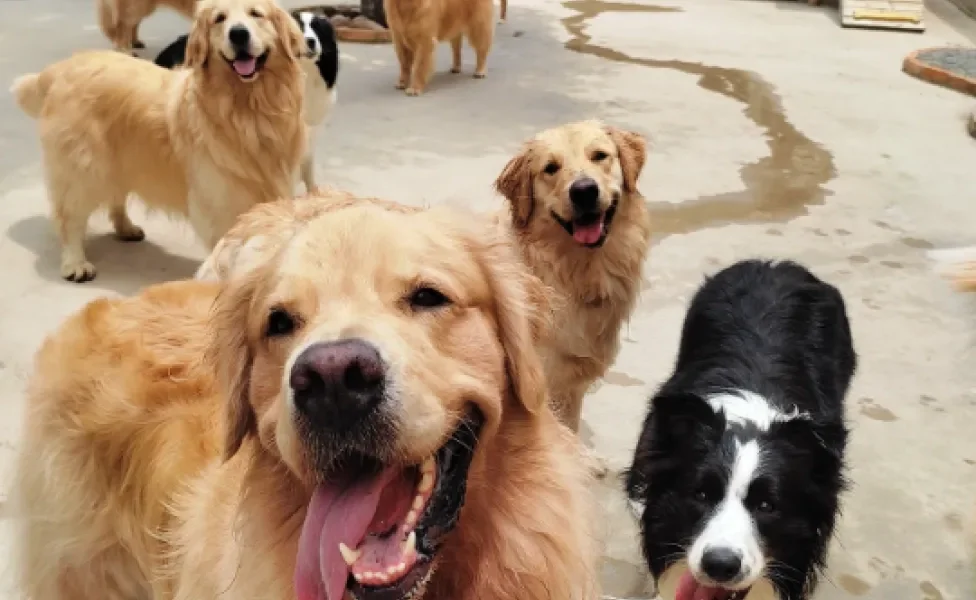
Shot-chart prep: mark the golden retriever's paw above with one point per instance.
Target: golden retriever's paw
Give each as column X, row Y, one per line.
column 78, row 272
column 401, row 85
column 139, row 45
column 455, row 70
column 133, row 233
column 480, row 75
column 413, row 91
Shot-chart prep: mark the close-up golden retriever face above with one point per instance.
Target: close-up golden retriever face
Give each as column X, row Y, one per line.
column 243, row 36
column 574, row 176
column 373, row 354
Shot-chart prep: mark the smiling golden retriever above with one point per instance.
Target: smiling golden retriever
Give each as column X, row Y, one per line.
column 363, row 412
column 206, row 143
column 583, row 228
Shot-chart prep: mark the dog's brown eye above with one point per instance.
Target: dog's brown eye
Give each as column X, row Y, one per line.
column 219, row 19
column 551, row 168
column 600, row 155
column 279, row 323
column 766, row 507
column 426, row 298
column 256, row 14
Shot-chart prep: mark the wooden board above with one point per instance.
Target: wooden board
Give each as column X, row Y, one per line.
column 883, row 14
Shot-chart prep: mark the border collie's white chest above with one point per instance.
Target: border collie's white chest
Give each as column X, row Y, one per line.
column 319, row 99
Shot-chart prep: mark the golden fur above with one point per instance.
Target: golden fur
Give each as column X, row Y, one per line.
column 418, row 25
column 120, row 19
column 596, row 289
column 201, row 143
column 122, row 485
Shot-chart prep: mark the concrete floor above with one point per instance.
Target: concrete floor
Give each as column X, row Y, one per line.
column 774, row 132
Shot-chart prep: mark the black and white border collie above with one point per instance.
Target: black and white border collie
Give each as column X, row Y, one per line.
column 740, row 464
column 321, row 66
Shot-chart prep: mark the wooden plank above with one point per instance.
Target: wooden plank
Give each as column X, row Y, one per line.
column 882, row 14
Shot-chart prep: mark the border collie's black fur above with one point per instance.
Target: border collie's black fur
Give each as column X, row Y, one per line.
column 740, row 463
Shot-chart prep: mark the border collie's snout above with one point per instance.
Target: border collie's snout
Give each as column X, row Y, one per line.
column 240, row 39
column 722, row 565
column 312, row 44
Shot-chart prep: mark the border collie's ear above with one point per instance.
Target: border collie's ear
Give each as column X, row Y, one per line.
column 677, row 417
column 821, row 441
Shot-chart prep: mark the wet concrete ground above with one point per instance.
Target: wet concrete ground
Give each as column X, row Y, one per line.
column 774, row 132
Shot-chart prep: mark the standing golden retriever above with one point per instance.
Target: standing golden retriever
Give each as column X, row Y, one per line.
column 120, row 19
column 362, row 411
column 418, row 25
column 584, row 229
column 206, row 143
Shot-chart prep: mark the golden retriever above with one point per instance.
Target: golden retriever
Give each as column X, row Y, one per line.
column 579, row 223
column 120, row 19
column 584, row 229
column 206, row 143
column 363, row 411
column 418, row 25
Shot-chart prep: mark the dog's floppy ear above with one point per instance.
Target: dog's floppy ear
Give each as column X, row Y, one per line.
column 513, row 290
column 632, row 149
column 288, row 33
column 230, row 356
column 515, row 183
column 198, row 42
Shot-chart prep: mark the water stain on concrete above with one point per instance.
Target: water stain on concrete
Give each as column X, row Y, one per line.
column 953, row 521
column 893, row 264
column 858, row 259
column 778, row 187
column 622, row 379
column 853, row 585
column 873, row 410
column 918, row 244
column 929, row 591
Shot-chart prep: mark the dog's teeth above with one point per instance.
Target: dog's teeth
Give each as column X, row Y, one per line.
column 411, row 518
column 359, row 577
column 426, row 483
column 410, row 544
column 428, row 466
column 391, row 571
column 401, row 567
column 348, row 554
column 418, row 503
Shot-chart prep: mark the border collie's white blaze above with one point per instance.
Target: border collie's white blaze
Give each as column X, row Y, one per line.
column 739, row 467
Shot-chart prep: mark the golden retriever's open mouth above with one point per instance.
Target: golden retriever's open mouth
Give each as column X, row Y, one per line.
column 589, row 229
column 375, row 529
column 689, row 589
column 246, row 66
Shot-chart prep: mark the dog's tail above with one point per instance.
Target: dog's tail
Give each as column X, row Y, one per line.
column 108, row 18
column 503, row 13
column 30, row 91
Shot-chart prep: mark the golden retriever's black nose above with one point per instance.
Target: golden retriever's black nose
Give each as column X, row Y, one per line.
column 335, row 384
column 584, row 193
column 239, row 36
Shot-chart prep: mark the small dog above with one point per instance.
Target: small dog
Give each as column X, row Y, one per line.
column 418, row 25
column 120, row 19
column 740, row 465
column 226, row 132
column 321, row 65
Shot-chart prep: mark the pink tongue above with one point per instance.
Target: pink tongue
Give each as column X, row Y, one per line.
column 335, row 514
column 588, row 234
column 689, row 589
column 245, row 68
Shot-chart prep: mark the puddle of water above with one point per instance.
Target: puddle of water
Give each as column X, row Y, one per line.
column 854, row 586
column 622, row 379
column 778, row 187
